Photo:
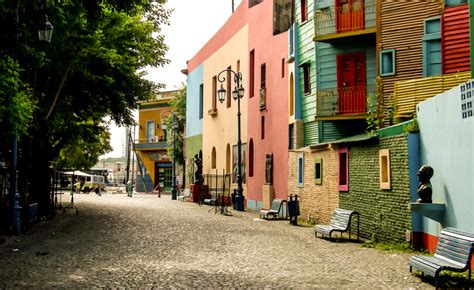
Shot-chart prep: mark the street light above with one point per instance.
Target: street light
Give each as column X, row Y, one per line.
column 174, row 127
column 237, row 94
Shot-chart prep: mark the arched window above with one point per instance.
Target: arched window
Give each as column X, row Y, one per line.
column 292, row 95
column 213, row 158
column 227, row 160
column 251, row 154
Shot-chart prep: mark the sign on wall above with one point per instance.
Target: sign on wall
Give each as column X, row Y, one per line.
column 467, row 99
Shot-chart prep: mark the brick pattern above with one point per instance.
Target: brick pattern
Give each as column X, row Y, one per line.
column 317, row 201
column 384, row 214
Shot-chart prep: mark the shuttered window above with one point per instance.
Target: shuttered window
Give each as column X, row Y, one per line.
column 432, row 61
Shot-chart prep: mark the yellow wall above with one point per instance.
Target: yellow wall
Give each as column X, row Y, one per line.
column 221, row 129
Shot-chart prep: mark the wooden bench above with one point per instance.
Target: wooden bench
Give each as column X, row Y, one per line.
column 340, row 222
column 453, row 253
column 276, row 210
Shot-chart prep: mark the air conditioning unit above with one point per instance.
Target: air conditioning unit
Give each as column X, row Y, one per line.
column 157, row 139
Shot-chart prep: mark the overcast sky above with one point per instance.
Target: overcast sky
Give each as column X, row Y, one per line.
column 192, row 24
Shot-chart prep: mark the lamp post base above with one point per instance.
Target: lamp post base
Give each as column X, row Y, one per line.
column 174, row 194
column 239, row 202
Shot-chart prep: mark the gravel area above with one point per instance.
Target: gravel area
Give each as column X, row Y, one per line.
column 150, row 242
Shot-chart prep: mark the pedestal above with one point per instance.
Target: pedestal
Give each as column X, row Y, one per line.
column 267, row 196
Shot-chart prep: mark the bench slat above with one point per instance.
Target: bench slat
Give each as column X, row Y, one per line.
column 453, row 253
column 340, row 222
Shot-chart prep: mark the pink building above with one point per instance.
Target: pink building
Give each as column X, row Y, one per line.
column 254, row 42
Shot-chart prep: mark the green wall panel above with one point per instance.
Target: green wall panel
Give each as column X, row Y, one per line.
column 193, row 146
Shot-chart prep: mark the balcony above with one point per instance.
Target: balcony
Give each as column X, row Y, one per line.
column 153, row 143
column 343, row 103
column 407, row 94
column 349, row 20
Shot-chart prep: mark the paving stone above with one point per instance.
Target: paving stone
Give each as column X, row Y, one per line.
column 147, row 242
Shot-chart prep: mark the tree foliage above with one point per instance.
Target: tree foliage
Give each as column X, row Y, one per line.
column 91, row 70
column 178, row 105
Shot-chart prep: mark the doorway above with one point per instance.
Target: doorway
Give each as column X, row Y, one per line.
column 351, row 83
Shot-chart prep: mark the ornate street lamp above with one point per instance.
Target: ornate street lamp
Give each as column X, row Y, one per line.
column 45, row 32
column 174, row 128
column 237, row 94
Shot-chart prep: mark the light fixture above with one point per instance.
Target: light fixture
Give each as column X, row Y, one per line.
column 45, row 32
column 221, row 94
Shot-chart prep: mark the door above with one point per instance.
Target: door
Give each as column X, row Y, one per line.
column 150, row 131
column 351, row 83
column 349, row 15
column 163, row 175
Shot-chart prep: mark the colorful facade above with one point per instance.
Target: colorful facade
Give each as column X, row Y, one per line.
column 152, row 145
column 254, row 43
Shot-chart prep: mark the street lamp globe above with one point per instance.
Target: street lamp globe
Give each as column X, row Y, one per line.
column 221, row 94
column 45, row 33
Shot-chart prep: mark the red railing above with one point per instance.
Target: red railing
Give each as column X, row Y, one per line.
column 340, row 101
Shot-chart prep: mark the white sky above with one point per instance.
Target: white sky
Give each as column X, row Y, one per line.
column 192, row 24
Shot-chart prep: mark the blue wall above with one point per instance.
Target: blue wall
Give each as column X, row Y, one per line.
column 446, row 143
column 193, row 123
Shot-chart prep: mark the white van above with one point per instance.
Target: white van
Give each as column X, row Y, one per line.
column 94, row 183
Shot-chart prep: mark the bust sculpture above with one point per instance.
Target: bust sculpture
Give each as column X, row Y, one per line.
column 425, row 190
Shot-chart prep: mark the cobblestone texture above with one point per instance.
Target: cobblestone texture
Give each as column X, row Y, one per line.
column 144, row 241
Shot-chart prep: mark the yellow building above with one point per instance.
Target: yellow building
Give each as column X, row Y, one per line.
column 152, row 145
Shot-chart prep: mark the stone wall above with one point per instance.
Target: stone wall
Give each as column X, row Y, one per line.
column 317, row 201
column 384, row 214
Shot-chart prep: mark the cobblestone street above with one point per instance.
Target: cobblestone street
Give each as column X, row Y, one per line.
column 145, row 241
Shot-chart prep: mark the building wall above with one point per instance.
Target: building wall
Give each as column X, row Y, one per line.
column 401, row 28
column 317, row 201
column 456, row 47
column 193, row 122
column 384, row 214
column 220, row 130
column 271, row 50
column 446, row 142
column 307, row 54
column 193, row 146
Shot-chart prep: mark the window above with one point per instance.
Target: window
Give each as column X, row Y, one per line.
column 251, row 157
column 263, row 75
column 306, row 78
column 432, row 47
column 150, row 132
column 254, row 2
column 227, row 160
column 213, row 158
column 343, row 169
column 384, row 163
column 262, row 128
column 300, row 169
column 201, row 100
column 291, row 137
column 292, row 94
column 238, row 65
column 387, row 62
column 304, row 13
column 283, row 65
column 318, row 171
column 213, row 109
column 229, row 87
column 252, row 74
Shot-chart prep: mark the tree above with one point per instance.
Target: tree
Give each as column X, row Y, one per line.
column 88, row 72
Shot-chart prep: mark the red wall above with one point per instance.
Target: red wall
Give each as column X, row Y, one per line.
column 456, row 47
column 269, row 49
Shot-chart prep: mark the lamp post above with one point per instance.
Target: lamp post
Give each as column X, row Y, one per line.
column 237, row 94
column 174, row 128
column 45, row 33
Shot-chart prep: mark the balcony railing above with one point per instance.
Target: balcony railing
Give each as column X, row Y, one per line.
column 156, row 142
column 344, row 101
column 408, row 94
column 348, row 18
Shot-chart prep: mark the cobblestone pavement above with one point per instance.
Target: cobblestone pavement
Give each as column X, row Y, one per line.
column 145, row 241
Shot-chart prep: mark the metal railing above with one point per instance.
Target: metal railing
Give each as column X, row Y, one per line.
column 350, row 100
column 347, row 18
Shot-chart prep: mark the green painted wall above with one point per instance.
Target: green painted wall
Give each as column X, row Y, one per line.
column 307, row 54
column 327, row 66
column 384, row 214
column 193, row 146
